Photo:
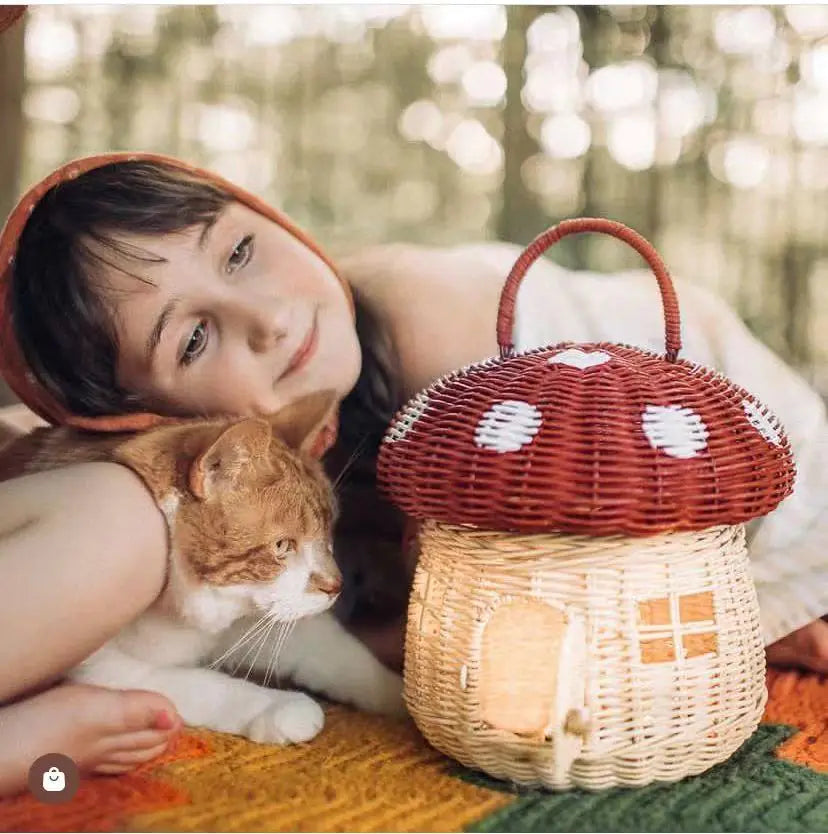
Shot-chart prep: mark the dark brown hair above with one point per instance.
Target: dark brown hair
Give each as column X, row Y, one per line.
column 62, row 320
column 64, row 325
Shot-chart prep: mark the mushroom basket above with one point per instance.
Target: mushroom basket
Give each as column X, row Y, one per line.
column 583, row 612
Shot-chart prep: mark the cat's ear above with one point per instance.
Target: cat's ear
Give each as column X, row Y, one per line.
column 220, row 464
column 300, row 423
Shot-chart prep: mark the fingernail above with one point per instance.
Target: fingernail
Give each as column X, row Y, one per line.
column 164, row 721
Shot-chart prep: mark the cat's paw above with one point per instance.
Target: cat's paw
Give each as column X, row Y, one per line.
column 290, row 719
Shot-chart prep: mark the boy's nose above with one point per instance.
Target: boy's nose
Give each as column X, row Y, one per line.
column 266, row 325
column 262, row 340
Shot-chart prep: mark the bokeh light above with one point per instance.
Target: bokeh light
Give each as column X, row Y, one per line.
column 705, row 127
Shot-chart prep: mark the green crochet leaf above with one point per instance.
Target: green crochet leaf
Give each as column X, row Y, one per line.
column 753, row 791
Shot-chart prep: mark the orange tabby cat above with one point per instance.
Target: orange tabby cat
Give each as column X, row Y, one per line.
column 251, row 573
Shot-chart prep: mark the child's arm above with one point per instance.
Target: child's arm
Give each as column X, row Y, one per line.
column 789, row 547
column 16, row 420
column 83, row 550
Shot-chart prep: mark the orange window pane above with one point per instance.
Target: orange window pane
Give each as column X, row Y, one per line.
column 661, row 650
column 654, row 612
column 694, row 608
column 695, row 645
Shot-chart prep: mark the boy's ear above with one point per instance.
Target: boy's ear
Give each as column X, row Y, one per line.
column 219, row 465
column 300, row 423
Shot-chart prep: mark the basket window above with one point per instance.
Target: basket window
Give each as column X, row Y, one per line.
column 677, row 627
column 695, row 645
column 654, row 612
column 695, row 608
column 660, row 650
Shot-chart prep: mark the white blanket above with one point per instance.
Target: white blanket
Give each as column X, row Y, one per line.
column 789, row 547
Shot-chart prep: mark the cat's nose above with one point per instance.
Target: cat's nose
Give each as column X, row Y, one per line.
column 325, row 583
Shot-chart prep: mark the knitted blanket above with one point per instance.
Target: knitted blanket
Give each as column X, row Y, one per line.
column 369, row 774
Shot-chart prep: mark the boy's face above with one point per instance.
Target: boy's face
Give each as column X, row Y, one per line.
column 240, row 318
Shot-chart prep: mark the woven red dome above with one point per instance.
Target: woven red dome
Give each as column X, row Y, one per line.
column 586, row 438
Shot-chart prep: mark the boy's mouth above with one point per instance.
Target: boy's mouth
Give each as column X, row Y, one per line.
column 306, row 349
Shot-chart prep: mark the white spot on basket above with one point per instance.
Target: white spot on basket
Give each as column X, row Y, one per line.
column 508, row 426
column 577, row 358
column 761, row 421
column 677, row 431
column 404, row 423
column 464, row 676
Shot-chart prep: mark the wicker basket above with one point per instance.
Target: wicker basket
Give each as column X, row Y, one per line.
column 583, row 612
column 592, row 662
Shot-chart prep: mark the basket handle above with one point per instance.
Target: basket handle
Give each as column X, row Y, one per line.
column 506, row 310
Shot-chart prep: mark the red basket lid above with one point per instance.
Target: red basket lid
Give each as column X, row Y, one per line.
column 593, row 438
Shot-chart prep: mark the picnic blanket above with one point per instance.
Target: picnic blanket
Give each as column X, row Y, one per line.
column 365, row 773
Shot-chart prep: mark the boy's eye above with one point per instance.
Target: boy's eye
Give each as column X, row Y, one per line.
column 240, row 255
column 196, row 344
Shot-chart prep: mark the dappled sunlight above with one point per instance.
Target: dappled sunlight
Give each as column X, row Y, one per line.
column 704, row 127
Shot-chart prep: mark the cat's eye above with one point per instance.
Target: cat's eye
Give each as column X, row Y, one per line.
column 285, row 546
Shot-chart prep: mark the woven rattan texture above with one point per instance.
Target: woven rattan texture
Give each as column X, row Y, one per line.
column 581, row 225
column 652, row 717
column 590, row 467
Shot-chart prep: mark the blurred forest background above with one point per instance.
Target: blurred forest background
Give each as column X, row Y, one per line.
column 705, row 128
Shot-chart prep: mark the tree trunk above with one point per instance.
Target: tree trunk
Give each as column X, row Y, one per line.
column 521, row 218
column 11, row 114
column 11, row 118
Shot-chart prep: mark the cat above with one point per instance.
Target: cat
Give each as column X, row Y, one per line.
column 251, row 575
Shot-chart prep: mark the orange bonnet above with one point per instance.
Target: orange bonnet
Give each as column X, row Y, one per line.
column 13, row 366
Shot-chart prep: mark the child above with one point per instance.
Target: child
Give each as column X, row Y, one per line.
column 56, row 560
column 141, row 288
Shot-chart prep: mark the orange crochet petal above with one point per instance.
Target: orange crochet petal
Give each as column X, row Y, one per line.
column 801, row 700
column 103, row 802
column 362, row 773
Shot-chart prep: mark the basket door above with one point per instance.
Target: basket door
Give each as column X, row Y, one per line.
column 532, row 677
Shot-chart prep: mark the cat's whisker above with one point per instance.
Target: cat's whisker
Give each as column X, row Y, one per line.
column 262, row 643
column 283, row 637
column 256, row 640
column 274, row 649
column 287, row 637
column 352, row 459
column 246, row 636
column 286, row 629
column 273, row 654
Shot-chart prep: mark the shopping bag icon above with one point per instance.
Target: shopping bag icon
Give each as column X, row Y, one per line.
column 54, row 780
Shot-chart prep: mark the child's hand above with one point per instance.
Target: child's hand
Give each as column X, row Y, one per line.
column 805, row 648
